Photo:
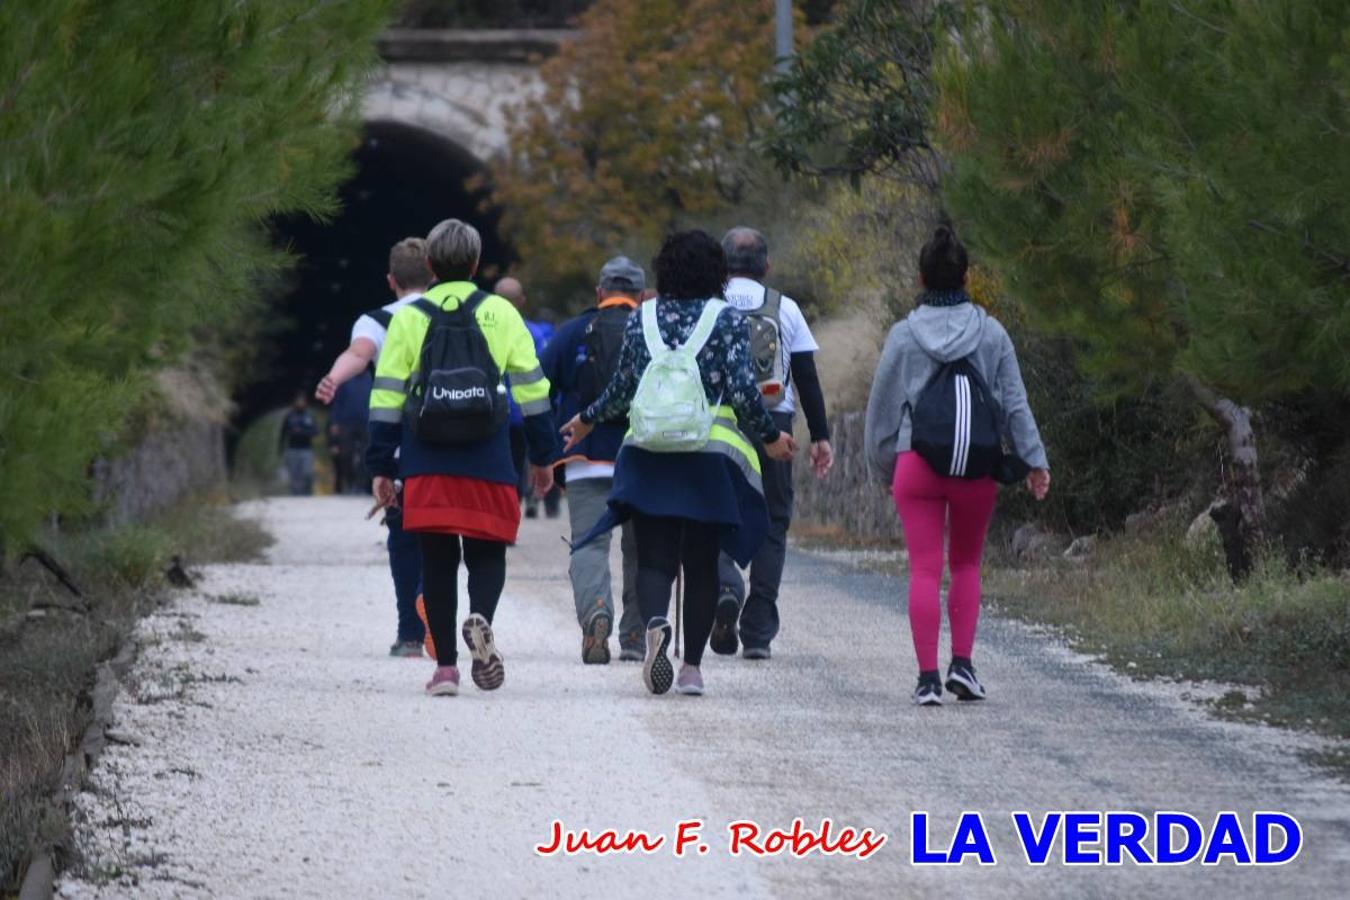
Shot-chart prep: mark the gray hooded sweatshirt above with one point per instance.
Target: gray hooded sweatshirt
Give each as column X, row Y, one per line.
column 916, row 346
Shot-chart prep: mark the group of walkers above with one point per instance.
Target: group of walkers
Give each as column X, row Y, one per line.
column 666, row 412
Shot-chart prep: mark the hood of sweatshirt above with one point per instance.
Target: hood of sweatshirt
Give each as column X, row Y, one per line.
column 948, row 332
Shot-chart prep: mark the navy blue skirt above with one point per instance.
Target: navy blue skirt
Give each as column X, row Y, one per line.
column 703, row 487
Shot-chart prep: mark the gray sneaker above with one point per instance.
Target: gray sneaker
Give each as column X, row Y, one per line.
column 755, row 653
column 631, row 654
column 595, row 641
column 406, row 650
column 690, row 681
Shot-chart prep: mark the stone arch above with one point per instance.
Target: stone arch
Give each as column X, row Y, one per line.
column 460, row 85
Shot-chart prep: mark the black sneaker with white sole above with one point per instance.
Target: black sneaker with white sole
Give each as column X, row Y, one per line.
column 657, row 672
column 929, row 692
column 724, row 640
column 962, row 682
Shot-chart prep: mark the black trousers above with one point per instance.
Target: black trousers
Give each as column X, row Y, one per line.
column 759, row 608
column 664, row 545
column 441, row 553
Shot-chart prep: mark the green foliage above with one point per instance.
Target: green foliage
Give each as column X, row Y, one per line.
column 642, row 124
column 857, row 100
column 1163, row 182
column 141, row 144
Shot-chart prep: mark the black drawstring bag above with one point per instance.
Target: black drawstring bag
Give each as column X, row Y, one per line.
column 956, row 427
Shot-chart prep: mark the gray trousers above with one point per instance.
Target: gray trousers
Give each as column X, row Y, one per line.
column 589, row 569
column 299, row 471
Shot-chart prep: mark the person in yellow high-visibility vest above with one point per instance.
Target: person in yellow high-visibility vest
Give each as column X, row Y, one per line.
column 460, row 499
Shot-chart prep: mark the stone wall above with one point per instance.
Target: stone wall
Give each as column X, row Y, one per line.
column 172, row 462
column 847, row 500
column 181, row 454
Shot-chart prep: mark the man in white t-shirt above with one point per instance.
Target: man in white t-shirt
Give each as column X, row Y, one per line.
column 755, row 615
column 409, row 275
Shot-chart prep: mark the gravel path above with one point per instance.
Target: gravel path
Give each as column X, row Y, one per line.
column 271, row 749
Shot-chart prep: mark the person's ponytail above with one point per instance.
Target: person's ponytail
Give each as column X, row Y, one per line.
column 943, row 261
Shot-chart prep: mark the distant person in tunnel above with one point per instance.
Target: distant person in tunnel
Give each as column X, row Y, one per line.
column 579, row 361
column 453, row 449
column 542, row 332
column 408, row 277
column 298, row 430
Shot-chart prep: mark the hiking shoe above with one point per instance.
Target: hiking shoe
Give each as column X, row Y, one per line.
column 929, row 691
column 595, row 641
column 724, row 639
column 962, row 682
column 657, row 672
column 444, row 683
column 631, row 654
column 690, row 681
column 755, row 653
column 488, row 672
column 406, row 649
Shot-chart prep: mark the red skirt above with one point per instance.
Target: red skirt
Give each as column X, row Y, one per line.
column 471, row 507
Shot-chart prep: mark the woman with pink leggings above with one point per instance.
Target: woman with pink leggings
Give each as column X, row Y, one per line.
column 947, row 328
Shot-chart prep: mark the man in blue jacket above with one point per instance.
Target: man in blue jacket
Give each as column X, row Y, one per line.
column 578, row 362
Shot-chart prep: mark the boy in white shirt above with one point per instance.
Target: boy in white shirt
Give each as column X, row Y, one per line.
column 409, row 275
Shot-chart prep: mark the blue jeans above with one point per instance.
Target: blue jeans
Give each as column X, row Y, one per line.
column 405, row 564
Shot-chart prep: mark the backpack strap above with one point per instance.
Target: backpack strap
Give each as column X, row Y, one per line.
column 772, row 305
column 427, row 308
column 703, row 330
column 473, row 301
column 468, row 305
column 650, row 331
column 382, row 317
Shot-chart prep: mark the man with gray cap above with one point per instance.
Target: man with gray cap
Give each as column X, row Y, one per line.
column 579, row 362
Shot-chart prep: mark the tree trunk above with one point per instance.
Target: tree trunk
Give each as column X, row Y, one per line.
column 1242, row 516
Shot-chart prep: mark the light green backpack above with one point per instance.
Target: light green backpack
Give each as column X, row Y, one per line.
column 670, row 411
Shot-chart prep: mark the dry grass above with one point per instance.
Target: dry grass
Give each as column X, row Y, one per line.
column 51, row 641
column 1161, row 607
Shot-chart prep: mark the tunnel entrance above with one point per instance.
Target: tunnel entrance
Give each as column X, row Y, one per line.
column 406, row 180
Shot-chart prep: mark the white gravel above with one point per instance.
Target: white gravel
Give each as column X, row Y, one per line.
column 274, row 750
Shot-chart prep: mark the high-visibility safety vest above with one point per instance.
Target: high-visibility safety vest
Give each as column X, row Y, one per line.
column 726, row 439
column 508, row 340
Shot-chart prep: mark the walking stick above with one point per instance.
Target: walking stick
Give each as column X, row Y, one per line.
column 679, row 602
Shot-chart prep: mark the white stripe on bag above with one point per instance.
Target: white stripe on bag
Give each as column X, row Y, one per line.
column 961, row 438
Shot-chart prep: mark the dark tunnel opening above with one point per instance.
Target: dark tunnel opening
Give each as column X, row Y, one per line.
column 406, row 180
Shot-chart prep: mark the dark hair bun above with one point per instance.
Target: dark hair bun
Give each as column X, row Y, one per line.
column 943, row 260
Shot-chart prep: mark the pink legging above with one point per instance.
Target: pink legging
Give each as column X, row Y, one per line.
column 922, row 497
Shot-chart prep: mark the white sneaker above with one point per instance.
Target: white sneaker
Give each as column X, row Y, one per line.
column 690, row 681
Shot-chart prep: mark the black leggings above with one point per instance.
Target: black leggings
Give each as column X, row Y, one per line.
column 664, row 544
column 486, row 561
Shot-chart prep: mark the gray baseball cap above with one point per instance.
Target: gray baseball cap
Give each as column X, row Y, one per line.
column 622, row 274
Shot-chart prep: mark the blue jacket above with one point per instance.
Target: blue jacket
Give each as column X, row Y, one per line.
column 542, row 332
column 560, row 359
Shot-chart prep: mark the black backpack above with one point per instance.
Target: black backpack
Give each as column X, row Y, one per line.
column 599, row 355
column 956, row 423
column 457, row 395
